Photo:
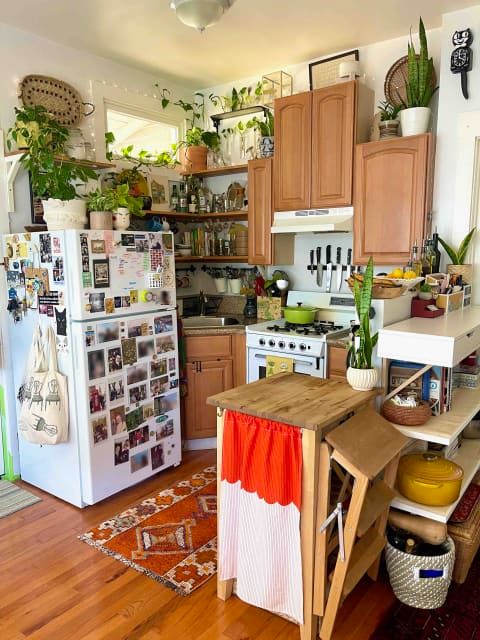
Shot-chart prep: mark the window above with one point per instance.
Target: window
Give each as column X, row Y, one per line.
column 140, row 130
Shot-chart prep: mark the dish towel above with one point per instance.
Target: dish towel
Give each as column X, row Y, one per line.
column 261, row 488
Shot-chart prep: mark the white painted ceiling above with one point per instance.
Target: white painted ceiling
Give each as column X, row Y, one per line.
column 254, row 36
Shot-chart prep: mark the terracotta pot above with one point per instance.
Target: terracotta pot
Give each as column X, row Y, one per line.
column 64, row 214
column 193, row 159
column 101, row 220
column 464, row 270
column 362, row 379
column 415, row 120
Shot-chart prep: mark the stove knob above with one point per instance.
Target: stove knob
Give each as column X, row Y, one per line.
column 261, row 342
column 281, row 344
column 291, row 345
column 303, row 347
column 271, row 343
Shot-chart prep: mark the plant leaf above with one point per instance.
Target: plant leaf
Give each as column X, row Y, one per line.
column 452, row 254
column 462, row 250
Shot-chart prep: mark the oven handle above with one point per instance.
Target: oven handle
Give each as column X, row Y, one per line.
column 299, row 362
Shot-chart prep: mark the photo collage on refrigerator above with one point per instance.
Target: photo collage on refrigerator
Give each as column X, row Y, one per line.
column 133, row 388
column 123, row 271
column 36, row 280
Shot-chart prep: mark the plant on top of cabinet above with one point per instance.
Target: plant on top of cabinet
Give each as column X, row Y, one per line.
column 360, row 373
column 389, row 121
column 267, row 131
column 457, row 257
column 53, row 178
column 415, row 117
column 193, row 149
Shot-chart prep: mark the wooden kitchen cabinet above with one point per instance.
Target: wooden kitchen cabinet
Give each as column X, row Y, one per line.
column 392, row 198
column 336, row 363
column 215, row 363
column 315, row 136
column 264, row 247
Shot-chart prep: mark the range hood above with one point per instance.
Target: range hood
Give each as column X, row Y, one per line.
column 313, row 221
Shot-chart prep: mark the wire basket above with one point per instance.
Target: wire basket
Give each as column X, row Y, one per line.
column 420, row 581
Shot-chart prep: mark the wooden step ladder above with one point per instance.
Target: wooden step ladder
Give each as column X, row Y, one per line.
column 368, row 448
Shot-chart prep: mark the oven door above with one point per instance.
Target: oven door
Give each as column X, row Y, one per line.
column 307, row 365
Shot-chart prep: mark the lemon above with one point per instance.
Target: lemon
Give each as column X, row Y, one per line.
column 397, row 273
column 410, row 275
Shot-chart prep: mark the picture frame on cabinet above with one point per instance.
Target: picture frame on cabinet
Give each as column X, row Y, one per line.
column 325, row 72
column 158, row 189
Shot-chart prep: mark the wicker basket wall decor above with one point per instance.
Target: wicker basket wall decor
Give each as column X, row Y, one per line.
column 59, row 98
column 396, row 80
column 406, row 416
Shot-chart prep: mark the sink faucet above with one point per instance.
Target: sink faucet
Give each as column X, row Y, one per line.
column 203, row 302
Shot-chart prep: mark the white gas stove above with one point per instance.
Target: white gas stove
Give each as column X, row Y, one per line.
column 304, row 344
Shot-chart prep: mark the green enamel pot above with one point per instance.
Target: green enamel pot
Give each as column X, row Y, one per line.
column 300, row 314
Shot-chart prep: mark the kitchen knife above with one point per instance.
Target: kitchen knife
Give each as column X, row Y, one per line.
column 328, row 284
column 339, row 268
column 349, row 263
column 312, row 253
column 319, row 267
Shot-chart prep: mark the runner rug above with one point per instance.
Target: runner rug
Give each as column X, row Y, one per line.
column 13, row 498
column 170, row 537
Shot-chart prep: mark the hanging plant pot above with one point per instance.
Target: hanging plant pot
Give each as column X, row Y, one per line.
column 64, row 214
column 193, row 159
column 415, row 120
column 362, row 379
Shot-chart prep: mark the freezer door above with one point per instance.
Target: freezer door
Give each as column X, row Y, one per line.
column 120, row 272
column 127, row 400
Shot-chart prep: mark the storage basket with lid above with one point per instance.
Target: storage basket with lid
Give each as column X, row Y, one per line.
column 429, row 479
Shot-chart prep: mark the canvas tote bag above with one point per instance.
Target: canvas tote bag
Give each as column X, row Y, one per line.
column 44, row 412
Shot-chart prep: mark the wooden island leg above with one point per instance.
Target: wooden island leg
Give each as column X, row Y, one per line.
column 310, row 452
column 224, row 587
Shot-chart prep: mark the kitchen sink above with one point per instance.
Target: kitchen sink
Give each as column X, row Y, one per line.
column 199, row 322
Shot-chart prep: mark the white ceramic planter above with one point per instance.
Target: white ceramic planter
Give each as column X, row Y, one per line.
column 415, row 120
column 425, row 295
column 101, row 220
column 362, row 379
column 234, row 285
column 121, row 219
column 220, row 284
column 64, row 214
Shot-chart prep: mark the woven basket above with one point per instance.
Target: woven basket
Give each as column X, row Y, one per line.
column 407, row 416
column 464, row 270
column 420, row 581
column 387, row 293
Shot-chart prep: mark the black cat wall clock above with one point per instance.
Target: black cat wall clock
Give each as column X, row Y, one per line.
column 462, row 57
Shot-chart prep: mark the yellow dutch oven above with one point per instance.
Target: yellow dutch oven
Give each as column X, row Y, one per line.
column 429, row 479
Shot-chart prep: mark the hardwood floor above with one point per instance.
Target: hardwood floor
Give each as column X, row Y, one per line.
column 52, row 586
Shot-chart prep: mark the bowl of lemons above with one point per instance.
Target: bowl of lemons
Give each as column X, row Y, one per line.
column 403, row 277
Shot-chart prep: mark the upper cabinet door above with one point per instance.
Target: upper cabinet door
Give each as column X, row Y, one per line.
column 333, row 139
column 392, row 194
column 292, row 167
column 260, row 211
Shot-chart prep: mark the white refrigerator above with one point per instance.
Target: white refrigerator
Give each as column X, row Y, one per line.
column 110, row 297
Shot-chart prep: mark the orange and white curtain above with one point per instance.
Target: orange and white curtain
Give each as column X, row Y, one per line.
column 261, row 488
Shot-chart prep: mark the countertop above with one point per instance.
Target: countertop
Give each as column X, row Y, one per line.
column 292, row 398
column 223, row 331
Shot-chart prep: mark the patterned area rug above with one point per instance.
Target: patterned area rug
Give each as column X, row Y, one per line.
column 458, row 619
column 170, row 537
column 13, row 498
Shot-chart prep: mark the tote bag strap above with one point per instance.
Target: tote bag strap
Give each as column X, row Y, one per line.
column 52, row 348
column 37, row 359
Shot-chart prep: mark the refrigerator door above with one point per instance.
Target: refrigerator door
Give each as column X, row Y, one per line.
column 35, row 274
column 127, row 400
column 120, row 272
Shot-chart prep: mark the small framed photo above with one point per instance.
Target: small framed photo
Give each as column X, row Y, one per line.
column 101, row 274
column 98, row 246
column 158, row 189
column 325, row 72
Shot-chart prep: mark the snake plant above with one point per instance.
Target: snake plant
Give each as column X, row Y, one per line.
column 360, row 351
column 419, row 85
column 458, row 256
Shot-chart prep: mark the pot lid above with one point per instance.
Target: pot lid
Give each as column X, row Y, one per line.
column 430, row 466
column 301, row 307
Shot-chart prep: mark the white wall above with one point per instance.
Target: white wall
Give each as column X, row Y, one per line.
column 23, row 53
column 375, row 61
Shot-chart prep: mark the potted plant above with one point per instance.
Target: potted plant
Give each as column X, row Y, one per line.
column 457, row 257
column 360, row 373
column 267, row 140
column 113, row 206
column 415, row 116
column 194, row 147
column 53, row 176
column 425, row 292
column 389, row 121
column 27, row 125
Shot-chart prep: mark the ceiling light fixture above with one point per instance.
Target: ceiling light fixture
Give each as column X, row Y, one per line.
column 200, row 14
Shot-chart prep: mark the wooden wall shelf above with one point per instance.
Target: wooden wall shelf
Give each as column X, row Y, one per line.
column 218, row 171
column 199, row 217
column 211, row 259
column 91, row 164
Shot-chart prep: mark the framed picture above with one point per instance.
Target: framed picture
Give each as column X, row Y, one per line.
column 158, row 188
column 98, row 246
column 101, row 274
column 325, row 72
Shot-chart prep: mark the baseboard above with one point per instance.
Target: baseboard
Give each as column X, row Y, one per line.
column 199, row 443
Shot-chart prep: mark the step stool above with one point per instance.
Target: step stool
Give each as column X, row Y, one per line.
column 368, row 448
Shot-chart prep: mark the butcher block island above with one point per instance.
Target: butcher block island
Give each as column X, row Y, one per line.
column 281, row 440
